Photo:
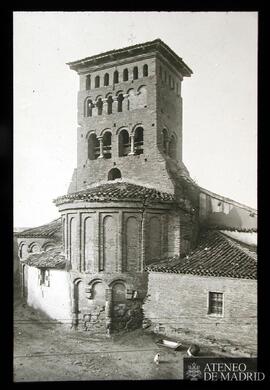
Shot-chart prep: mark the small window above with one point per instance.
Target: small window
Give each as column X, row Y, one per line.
column 97, row 82
column 120, row 99
column 125, row 75
column 116, row 77
column 215, row 303
column 145, row 70
column 165, row 76
column 138, row 140
column 88, row 108
column 44, row 277
column 109, row 104
column 88, row 82
column 99, row 105
column 106, row 79
column 114, row 174
column 107, row 144
column 135, row 73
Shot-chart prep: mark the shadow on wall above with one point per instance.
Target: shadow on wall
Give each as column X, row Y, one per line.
column 237, row 218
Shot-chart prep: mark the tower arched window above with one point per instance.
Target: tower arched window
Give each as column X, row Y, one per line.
column 170, row 81
column 109, row 104
column 165, row 76
column 99, row 105
column 145, row 70
column 120, row 99
column 135, row 72
column 88, row 107
column 88, row 82
column 97, row 82
column 93, row 147
column 165, row 140
column 116, row 77
column 124, row 143
column 138, row 140
column 172, row 148
column 107, row 144
column 106, row 79
column 114, row 173
column 125, row 75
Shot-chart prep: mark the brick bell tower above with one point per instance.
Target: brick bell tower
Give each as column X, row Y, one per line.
column 122, row 209
column 130, row 116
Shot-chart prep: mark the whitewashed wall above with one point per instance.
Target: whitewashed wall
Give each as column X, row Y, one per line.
column 53, row 300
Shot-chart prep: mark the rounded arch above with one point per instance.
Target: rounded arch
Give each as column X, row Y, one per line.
column 103, row 131
column 34, row 247
column 141, row 87
column 93, row 146
column 116, row 77
column 107, row 143
column 120, row 91
column 145, row 70
column 135, row 73
column 97, row 82
column 125, row 74
column 119, row 291
column 77, row 281
column 98, row 290
column 88, row 106
column 106, row 79
column 114, row 174
column 139, row 124
column 23, row 250
column 142, row 96
column 123, row 143
column 138, row 140
column 47, row 246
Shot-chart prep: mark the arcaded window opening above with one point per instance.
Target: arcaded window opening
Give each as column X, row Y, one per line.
column 124, row 143
column 138, row 140
column 97, row 82
column 109, row 104
column 89, row 107
column 99, row 106
column 106, row 79
column 107, row 145
column 125, row 75
column 120, row 99
column 93, row 147
column 116, row 77
column 114, row 174
column 135, row 72
column 145, row 70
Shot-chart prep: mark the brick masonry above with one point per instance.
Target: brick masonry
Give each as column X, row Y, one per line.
column 177, row 305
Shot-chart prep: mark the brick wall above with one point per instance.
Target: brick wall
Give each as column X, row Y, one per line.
column 177, row 305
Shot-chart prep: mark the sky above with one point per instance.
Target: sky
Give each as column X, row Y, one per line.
column 219, row 99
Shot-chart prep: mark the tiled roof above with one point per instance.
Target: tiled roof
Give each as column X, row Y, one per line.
column 120, row 191
column 155, row 45
column 52, row 258
column 50, row 230
column 216, row 255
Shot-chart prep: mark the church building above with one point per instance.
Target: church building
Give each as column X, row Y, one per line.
column 137, row 240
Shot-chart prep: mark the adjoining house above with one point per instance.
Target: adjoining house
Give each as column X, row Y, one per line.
column 138, row 239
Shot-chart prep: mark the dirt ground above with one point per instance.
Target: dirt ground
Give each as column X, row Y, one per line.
column 48, row 351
